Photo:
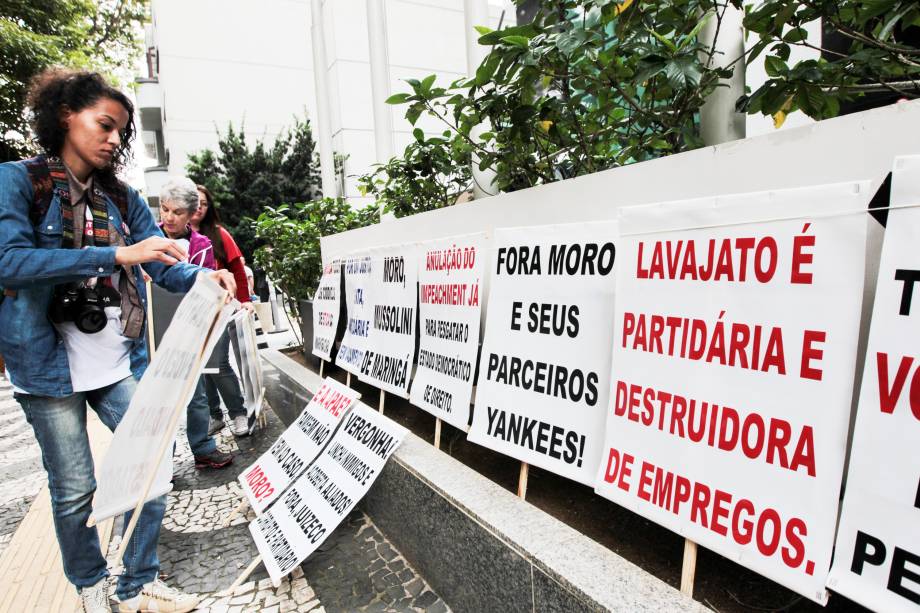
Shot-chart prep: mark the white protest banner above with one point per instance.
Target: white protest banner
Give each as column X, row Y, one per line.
column 545, row 365
column 311, row 508
column 250, row 363
column 267, row 478
column 326, row 302
column 358, row 307
column 150, row 423
column 449, row 277
column 736, row 326
column 390, row 349
column 877, row 558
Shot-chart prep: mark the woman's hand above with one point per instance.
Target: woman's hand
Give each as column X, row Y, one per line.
column 153, row 249
column 225, row 279
column 247, row 306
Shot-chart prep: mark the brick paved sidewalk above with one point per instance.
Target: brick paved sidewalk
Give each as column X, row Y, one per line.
column 356, row 569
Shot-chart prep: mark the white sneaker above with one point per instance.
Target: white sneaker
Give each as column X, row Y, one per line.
column 157, row 597
column 95, row 599
column 240, row 425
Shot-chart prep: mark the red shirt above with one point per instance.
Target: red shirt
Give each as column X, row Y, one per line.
column 234, row 263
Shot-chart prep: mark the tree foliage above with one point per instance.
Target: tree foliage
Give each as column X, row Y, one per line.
column 595, row 84
column 247, row 181
column 100, row 35
column 869, row 46
column 290, row 233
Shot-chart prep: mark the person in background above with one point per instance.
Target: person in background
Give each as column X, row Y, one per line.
column 69, row 227
column 250, row 281
column 224, row 383
column 178, row 203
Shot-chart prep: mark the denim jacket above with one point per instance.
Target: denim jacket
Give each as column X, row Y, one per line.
column 32, row 262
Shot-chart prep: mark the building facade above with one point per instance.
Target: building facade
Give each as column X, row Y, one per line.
column 213, row 63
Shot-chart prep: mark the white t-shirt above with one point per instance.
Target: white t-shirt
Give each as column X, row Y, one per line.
column 99, row 359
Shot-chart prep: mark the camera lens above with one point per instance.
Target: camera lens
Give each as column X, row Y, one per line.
column 91, row 320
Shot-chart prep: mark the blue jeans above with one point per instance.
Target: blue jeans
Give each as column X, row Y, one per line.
column 60, row 427
column 197, row 418
column 224, row 382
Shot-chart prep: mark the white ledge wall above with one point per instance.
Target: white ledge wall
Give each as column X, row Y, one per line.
column 858, row 146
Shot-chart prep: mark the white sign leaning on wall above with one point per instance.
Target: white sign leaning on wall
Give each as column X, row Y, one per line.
column 877, row 559
column 736, row 323
column 250, row 363
column 267, row 478
column 315, row 504
column 162, row 395
column 358, row 308
column 544, row 373
column 450, row 278
column 326, row 306
column 390, row 349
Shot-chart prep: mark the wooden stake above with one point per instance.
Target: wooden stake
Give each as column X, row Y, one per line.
column 241, row 507
column 522, row 481
column 321, row 364
column 437, row 432
column 151, row 336
column 239, row 580
column 688, row 570
column 383, row 398
column 348, row 379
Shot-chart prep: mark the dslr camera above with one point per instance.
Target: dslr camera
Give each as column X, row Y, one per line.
column 83, row 305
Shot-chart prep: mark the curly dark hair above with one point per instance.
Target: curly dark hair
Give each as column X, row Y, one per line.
column 55, row 89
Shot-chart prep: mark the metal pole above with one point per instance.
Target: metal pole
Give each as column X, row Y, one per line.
column 719, row 123
column 323, row 116
column 380, row 79
column 476, row 13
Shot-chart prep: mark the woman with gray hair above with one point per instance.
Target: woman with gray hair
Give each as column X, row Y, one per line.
column 178, row 202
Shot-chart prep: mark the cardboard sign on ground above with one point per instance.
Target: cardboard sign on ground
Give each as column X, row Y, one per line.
column 321, row 498
column 268, row 477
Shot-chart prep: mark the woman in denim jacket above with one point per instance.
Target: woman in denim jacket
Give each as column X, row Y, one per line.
column 68, row 226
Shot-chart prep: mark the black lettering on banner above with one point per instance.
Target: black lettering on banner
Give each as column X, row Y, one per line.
column 903, row 572
column 394, row 270
column 438, row 398
column 394, row 319
column 445, row 365
column 544, row 438
column 544, row 378
column 315, row 430
column 380, row 442
column 447, row 330
column 909, row 277
column 352, row 464
column 385, row 369
column 287, row 458
column 278, row 545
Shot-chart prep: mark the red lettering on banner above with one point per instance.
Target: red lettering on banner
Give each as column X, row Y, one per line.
column 890, row 394
column 800, row 258
column 722, row 260
column 717, row 510
column 773, row 439
column 810, row 354
column 734, row 344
